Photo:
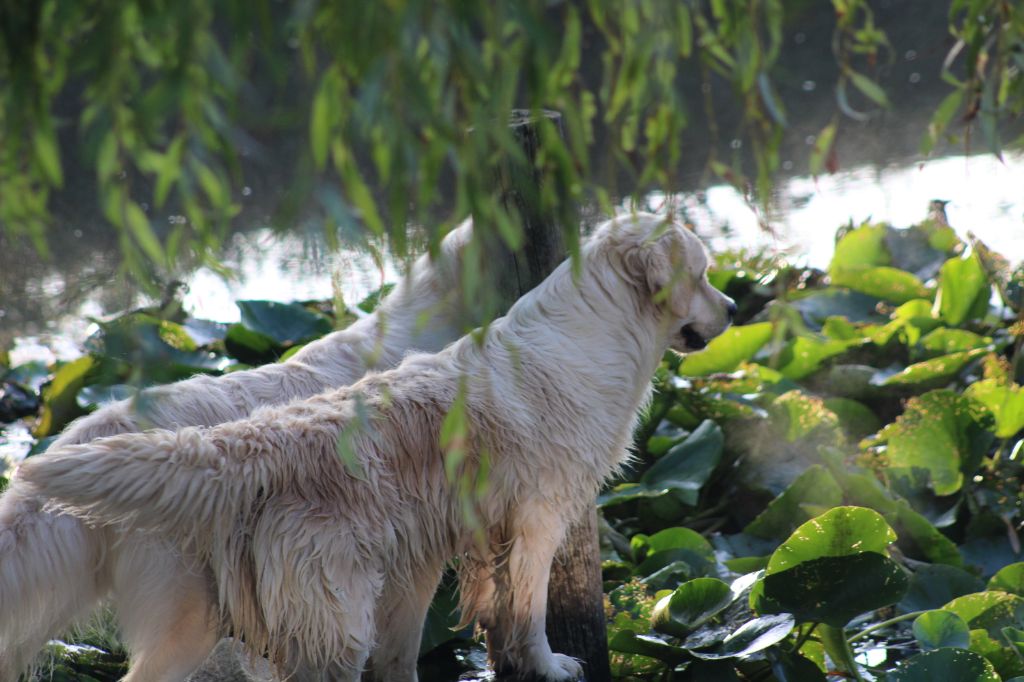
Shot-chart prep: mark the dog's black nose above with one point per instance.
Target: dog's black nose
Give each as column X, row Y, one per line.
column 731, row 310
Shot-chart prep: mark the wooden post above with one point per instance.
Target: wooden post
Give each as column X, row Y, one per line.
column 575, row 618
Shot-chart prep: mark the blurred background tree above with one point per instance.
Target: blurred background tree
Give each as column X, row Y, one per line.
column 158, row 114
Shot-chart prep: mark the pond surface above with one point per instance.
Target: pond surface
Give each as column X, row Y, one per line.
column 986, row 198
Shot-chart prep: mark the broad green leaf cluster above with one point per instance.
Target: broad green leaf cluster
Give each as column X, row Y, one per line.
column 853, row 463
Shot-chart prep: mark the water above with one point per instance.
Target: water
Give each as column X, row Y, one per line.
column 985, row 196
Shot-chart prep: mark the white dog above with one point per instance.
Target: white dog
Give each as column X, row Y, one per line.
column 54, row 569
column 319, row 557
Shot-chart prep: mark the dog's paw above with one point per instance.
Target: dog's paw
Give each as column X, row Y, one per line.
column 561, row 668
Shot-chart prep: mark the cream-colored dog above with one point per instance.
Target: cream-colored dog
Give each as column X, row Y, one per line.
column 323, row 551
column 54, row 569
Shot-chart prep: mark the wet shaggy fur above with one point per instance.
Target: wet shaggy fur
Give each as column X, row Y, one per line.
column 54, row 569
column 323, row 552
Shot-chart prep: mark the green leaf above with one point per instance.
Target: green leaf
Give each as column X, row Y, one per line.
column 285, row 323
column 941, row 118
column 870, row 88
column 944, row 340
column 687, row 466
column 691, row 605
column 44, row 143
column 249, row 346
column 944, row 664
column 59, row 404
column 628, row 642
column 804, row 355
column 843, row 531
column 751, row 637
column 814, row 488
column 656, row 551
column 884, row 282
column 861, row 248
column 1006, row 403
column 856, row 418
column 683, row 470
column 820, row 305
column 802, row 415
column 726, row 351
column 1000, row 652
column 155, row 350
column 990, row 611
column 832, row 589
column 935, row 585
column 320, row 123
column 822, row 146
column 792, row 667
column 138, row 224
column 963, row 291
column 932, row 434
column 93, row 397
column 938, row 628
column 443, row 619
column 934, row 370
column 1009, row 579
column 917, row 536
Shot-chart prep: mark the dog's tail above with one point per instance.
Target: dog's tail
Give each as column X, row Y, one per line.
column 182, row 484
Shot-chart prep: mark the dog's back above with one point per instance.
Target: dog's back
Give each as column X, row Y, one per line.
column 53, row 569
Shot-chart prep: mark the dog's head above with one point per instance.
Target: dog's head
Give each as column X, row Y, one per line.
column 668, row 264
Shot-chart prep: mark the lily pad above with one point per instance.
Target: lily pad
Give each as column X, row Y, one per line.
column 683, row 470
column 856, row 418
column 843, row 531
column 286, row 323
column 94, row 397
column 656, row 551
column 805, row 355
column 814, row 488
column 726, row 351
column 944, row 664
column 886, row 283
column 751, row 637
column 964, row 290
column 691, row 605
column 59, row 404
column 817, row 307
column 629, row 642
column 944, row 340
column 1009, row 579
column 932, row 434
column 832, row 589
column 937, row 369
column 803, row 415
column 917, row 536
column 990, row 610
column 937, row 629
column 934, row 585
column 1005, row 402
column 859, row 248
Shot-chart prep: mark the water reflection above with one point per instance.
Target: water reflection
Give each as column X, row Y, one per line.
column 285, row 268
column 984, row 194
column 984, row 197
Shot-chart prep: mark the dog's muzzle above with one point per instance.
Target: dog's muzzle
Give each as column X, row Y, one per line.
column 693, row 338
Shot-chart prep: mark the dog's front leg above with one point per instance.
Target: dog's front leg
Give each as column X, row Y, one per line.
column 516, row 640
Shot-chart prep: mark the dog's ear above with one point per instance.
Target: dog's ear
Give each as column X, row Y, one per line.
column 656, row 265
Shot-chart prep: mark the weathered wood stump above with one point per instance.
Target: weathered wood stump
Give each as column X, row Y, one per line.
column 575, row 618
